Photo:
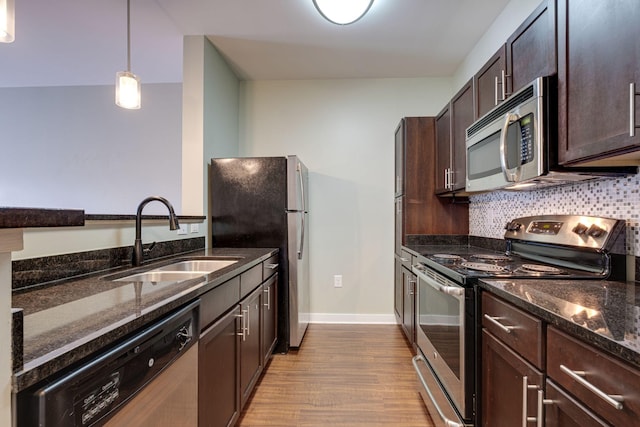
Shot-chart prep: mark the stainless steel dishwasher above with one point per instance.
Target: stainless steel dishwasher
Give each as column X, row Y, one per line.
column 150, row 379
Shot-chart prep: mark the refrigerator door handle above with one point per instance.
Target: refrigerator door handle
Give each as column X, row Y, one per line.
column 299, row 170
column 301, row 238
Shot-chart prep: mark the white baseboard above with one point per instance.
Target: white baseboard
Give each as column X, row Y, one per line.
column 352, row 318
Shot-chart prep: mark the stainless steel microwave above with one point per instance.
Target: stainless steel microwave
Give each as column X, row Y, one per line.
column 514, row 145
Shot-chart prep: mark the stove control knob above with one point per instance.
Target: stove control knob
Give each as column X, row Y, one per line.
column 513, row 226
column 580, row 229
column 595, row 231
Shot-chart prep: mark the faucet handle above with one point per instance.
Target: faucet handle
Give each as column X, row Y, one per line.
column 149, row 248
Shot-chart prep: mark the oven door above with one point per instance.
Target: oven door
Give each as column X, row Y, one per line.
column 440, row 335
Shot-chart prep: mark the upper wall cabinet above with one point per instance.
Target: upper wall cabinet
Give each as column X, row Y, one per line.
column 598, row 66
column 451, row 125
column 529, row 53
column 531, row 49
column 490, row 82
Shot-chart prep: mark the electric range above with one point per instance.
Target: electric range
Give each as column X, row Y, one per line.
column 546, row 247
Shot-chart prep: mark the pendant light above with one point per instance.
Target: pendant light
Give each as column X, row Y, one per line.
column 127, row 83
column 342, row 12
column 7, row 21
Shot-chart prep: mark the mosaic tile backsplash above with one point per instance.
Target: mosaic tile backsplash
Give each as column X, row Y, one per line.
column 613, row 198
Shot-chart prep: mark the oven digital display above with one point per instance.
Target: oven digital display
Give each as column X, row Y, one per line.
column 545, row 227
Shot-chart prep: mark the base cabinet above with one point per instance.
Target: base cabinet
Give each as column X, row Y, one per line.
column 562, row 410
column 235, row 346
column 409, row 281
column 219, row 372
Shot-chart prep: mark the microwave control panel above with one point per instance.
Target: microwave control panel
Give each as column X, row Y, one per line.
column 526, row 139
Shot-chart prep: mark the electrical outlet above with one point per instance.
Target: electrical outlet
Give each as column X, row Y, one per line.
column 337, row 281
column 182, row 229
column 195, row 228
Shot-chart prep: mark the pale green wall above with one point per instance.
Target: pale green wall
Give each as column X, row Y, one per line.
column 343, row 130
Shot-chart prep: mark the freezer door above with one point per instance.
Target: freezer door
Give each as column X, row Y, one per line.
column 299, row 292
column 297, row 185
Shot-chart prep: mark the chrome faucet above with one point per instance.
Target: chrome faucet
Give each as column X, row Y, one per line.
column 138, row 251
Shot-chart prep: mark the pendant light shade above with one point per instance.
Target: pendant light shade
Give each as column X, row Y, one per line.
column 127, row 90
column 128, row 93
column 7, row 21
column 342, row 12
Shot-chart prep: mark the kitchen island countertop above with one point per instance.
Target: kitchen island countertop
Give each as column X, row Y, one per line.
column 74, row 319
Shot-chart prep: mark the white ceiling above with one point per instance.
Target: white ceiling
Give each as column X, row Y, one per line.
column 83, row 42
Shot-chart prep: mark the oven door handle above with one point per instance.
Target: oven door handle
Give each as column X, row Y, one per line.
column 455, row 291
column 447, row 422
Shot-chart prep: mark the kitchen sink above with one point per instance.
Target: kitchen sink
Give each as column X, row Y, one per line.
column 161, row 276
column 176, row 272
column 201, row 265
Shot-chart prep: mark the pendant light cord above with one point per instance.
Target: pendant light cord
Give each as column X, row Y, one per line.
column 129, row 35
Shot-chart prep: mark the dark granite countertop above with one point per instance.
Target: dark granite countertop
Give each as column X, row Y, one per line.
column 604, row 314
column 11, row 217
column 65, row 323
column 14, row 217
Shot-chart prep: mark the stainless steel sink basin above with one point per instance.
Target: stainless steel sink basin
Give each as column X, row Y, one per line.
column 201, row 265
column 161, row 276
column 178, row 271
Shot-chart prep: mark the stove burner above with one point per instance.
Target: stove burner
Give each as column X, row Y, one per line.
column 537, row 268
column 483, row 266
column 491, row 257
column 447, row 256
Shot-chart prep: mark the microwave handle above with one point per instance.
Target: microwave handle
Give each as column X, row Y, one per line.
column 511, row 175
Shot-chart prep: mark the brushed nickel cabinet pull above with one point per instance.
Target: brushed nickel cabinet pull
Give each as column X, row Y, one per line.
column 614, row 400
column 525, row 389
column 267, row 291
column 632, row 109
column 494, row 320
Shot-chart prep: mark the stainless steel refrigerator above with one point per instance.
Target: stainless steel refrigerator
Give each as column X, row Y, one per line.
column 263, row 202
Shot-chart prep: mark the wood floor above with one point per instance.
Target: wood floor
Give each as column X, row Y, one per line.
column 343, row 375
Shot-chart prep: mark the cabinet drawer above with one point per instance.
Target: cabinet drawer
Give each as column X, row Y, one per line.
column 270, row 267
column 519, row 330
column 603, row 374
column 563, row 410
column 250, row 279
column 218, row 300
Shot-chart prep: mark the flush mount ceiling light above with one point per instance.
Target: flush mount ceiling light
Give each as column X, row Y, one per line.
column 7, row 21
column 128, row 84
column 342, row 12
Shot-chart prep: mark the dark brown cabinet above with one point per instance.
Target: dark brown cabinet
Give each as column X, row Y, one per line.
column 250, row 349
column 451, row 125
column 562, row 410
column 531, row 49
column 505, row 376
column 409, row 304
column 490, row 82
column 236, row 340
column 512, row 362
column 269, row 317
column 529, row 53
column 598, row 57
column 398, row 289
column 219, row 371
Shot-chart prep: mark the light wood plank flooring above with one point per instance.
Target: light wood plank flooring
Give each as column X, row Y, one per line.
column 343, row 375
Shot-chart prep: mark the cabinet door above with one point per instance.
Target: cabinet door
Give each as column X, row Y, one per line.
column 218, row 372
column 531, row 49
column 399, row 138
column 399, row 224
column 398, row 295
column 443, row 149
column 250, row 349
column 408, row 304
column 510, row 385
column 489, row 82
column 462, row 116
column 269, row 317
column 598, row 54
column 561, row 410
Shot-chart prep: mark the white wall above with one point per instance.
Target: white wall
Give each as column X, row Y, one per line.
column 343, row 130
column 72, row 147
